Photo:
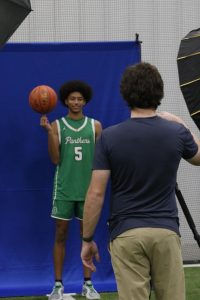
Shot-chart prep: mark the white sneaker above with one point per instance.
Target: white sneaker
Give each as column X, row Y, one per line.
column 57, row 292
column 89, row 291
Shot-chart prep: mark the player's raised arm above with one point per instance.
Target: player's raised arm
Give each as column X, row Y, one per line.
column 195, row 160
column 53, row 140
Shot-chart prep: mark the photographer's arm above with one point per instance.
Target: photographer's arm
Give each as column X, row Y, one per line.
column 195, row 160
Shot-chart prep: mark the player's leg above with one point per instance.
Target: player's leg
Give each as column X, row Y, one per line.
column 167, row 266
column 131, row 265
column 88, row 289
column 59, row 247
column 62, row 212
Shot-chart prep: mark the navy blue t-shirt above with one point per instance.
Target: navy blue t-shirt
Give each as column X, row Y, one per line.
column 143, row 155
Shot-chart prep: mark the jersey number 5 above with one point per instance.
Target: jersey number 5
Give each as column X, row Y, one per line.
column 78, row 153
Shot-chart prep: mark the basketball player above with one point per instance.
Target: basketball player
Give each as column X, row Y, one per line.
column 71, row 141
column 142, row 155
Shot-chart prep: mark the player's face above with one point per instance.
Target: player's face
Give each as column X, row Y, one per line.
column 75, row 102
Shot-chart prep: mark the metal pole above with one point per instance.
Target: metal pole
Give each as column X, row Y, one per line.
column 187, row 214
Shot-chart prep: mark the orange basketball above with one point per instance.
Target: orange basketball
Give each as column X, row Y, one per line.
column 43, row 99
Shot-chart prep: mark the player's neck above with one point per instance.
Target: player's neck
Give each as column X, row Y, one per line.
column 75, row 116
column 143, row 113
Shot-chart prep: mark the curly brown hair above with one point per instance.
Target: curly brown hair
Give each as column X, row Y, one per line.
column 142, row 86
column 75, row 86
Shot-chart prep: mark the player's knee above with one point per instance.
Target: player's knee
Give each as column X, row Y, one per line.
column 61, row 237
column 61, row 234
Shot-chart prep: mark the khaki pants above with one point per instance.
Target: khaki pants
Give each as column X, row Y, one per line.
column 142, row 255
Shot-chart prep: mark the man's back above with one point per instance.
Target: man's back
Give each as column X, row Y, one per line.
column 143, row 155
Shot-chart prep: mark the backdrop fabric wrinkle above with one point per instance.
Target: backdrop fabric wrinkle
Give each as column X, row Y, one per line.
column 26, row 228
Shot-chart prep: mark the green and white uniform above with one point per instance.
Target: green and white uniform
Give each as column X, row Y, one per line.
column 73, row 173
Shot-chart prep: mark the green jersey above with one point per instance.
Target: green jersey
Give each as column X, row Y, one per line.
column 73, row 173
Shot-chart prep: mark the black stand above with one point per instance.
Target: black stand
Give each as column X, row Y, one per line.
column 187, row 214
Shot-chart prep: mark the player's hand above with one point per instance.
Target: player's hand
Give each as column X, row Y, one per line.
column 44, row 122
column 88, row 253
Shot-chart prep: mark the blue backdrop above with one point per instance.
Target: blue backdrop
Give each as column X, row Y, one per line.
column 26, row 173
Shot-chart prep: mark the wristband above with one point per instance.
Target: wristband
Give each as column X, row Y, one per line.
column 87, row 239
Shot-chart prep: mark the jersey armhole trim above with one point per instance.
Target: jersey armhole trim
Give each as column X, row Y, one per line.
column 93, row 129
column 58, row 128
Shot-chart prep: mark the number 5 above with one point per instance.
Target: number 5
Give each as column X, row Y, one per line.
column 78, row 153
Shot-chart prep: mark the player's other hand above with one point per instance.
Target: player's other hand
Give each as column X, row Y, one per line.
column 88, row 253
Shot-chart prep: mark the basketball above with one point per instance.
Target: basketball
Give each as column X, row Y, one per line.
column 43, row 99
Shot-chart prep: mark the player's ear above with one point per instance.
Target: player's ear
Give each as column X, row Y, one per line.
column 66, row 102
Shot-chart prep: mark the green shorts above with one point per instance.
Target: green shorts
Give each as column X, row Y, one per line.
column 67, row 210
